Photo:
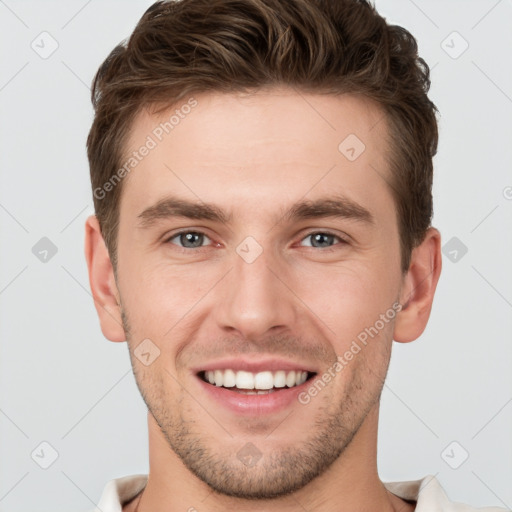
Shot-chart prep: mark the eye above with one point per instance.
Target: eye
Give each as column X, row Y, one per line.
column 188, row 239
column 320, row 239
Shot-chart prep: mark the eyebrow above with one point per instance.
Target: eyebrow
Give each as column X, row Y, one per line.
column 331, row 206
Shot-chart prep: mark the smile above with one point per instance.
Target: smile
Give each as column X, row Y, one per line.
column 251, row 383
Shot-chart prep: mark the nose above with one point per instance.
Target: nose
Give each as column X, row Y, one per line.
column 256, row 298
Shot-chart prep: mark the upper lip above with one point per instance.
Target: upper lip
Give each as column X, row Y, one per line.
column 254, row 365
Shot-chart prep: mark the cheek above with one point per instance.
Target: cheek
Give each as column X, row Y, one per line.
column 157, row 298
column 347, row 298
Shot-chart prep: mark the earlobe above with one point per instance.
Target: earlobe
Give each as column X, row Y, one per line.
column 418, row 289
column 102, row 282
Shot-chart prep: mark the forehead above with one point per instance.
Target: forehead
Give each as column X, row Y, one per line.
column 266, row 148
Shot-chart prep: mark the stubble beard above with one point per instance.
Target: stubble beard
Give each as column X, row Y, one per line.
column 279, row 472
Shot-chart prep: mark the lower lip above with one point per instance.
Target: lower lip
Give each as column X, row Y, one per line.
column 255, row 405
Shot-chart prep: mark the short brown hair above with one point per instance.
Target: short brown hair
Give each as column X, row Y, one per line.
column 182, row 47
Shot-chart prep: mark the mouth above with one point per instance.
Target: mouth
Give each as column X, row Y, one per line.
column 254, row 387
column 255, row 383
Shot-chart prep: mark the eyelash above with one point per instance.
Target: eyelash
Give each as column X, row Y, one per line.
column 342, row 240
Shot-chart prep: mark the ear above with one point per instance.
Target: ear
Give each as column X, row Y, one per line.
column 102, row 281
column 418, row 288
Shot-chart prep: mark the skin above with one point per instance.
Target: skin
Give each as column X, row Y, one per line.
column 254, row 156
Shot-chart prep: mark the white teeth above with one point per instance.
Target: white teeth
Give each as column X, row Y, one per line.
column 244, row 380
column 219, row 377
column 291, row 379
column 229, row 379
column 262, row 381
column 280, row 379
column 259, row 392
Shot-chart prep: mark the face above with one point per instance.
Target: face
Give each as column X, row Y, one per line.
column 254, row 252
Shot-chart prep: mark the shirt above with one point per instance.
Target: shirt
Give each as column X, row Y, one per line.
column 426, row 492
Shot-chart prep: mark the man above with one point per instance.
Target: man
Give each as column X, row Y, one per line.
column 262, row 174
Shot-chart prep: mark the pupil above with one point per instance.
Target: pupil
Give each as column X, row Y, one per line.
column 322, row 238
column 189, row 238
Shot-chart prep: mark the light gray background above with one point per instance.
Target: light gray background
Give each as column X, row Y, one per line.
column 63, row 383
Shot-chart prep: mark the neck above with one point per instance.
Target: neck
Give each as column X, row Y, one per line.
column 350, row 483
